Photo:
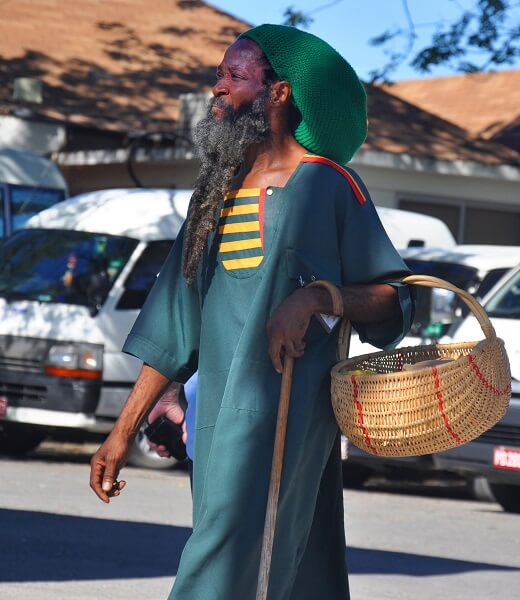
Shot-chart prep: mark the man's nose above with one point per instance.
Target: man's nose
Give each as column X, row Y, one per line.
column 220, row 88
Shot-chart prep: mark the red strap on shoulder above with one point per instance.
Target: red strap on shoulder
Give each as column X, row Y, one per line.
column 352, row 182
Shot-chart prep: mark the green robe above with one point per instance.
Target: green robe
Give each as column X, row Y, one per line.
column 267, row 243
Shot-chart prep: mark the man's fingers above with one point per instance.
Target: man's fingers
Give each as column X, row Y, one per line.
column 275, row 351
column 110, row 476
column 96, row 476
column 295, row 348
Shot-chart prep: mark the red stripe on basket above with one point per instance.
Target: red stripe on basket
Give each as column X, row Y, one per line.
column 359, row 407
column 438, row 393
column 484, row 381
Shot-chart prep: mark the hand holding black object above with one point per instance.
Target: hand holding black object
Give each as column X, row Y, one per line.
column 167, row 433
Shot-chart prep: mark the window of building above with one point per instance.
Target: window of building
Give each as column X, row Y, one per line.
column 471, row 224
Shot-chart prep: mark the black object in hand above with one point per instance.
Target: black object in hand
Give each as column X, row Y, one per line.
column 167, row 433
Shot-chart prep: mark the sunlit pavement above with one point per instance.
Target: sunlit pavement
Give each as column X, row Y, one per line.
column 404, row 543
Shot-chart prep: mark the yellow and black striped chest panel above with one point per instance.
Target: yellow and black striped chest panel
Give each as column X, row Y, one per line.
column 240, row 234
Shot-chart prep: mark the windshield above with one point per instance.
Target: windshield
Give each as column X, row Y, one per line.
column 436, row 308
column 505, row 304
column 71, row 267
column 462, row 276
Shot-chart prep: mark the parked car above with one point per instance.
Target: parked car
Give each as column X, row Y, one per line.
column 28, row 183
column 475, row 268
column 496, row 453
column 72, row 282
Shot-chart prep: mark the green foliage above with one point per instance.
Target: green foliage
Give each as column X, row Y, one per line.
column 481, row 38
column 296, row 18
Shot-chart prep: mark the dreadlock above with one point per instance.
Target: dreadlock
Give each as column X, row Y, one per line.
column 221, row 144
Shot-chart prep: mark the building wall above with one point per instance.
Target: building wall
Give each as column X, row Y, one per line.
column 477, row 207
column 87, row 178
column 480, row 205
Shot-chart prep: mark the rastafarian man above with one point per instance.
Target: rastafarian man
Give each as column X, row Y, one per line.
column 273, row 208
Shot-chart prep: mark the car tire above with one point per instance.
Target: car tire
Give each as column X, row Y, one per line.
column 508, row 496
column 355, row 476
column 480, row 489
column 141, row 455
column 17, row 439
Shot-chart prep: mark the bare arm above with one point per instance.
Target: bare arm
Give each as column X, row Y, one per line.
column 362, row 303
column 112, row 455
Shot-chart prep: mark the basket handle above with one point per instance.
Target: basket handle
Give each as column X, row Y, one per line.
column 436, row 282
column 420, row 280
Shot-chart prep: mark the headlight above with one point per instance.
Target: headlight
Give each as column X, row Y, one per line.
column 84, row 361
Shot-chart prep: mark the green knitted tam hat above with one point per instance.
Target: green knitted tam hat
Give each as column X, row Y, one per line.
column 326, row 89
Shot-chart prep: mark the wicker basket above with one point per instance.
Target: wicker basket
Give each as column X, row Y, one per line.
column 397, row 412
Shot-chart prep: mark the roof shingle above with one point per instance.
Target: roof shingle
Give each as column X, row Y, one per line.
column 118, row 64
column 121, row 65
column 487, row 105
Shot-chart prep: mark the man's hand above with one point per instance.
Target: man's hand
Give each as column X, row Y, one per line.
column 168, row 405
column 287, row 326
column 112, row 456
column 106, row 464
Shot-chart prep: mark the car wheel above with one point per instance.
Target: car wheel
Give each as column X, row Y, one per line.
column 355, row 476
column 141, row 455
column 17, row 439
column 508, row 496
column 480, row 489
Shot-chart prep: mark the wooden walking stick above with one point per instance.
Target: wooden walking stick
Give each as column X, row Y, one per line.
column 279, row 446
column 276, row 476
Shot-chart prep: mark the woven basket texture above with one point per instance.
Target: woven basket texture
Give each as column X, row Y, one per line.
column 411, row 413
column 396, row 412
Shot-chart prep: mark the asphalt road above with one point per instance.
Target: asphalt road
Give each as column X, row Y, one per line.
column 58, row 541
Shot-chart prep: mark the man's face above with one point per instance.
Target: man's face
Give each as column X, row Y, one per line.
column 240, row 77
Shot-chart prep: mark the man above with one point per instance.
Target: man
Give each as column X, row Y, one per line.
column 266, row 217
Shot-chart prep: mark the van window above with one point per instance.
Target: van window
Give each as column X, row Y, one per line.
column 26, row 201
column 142, row 277
column 439, row 305
column 2, row 211
column 489, row 281
column 505, row 304
column 53, row 265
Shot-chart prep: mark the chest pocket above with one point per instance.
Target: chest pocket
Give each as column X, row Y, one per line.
column 240, row 235
column 302, row 271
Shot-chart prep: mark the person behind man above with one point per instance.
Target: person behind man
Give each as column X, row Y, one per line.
column 178, row 404
column 272, row 210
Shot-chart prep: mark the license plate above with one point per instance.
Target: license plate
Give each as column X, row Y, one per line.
column 507, row 458
column 3, row 407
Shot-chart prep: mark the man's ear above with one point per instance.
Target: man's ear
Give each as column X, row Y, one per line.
column 281, row 91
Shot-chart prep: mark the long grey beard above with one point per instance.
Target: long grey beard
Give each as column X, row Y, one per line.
column 221, row 145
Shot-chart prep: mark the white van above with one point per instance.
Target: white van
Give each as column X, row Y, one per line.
column 475, row 268
column 72, row 282
column 28, row 183
column 71, row 285
column 496, row 453
column 407, row 229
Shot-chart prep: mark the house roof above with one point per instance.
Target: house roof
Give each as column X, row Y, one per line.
column 400, row 127
column 121, row 65
column 118, row 65
column 487, row 105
